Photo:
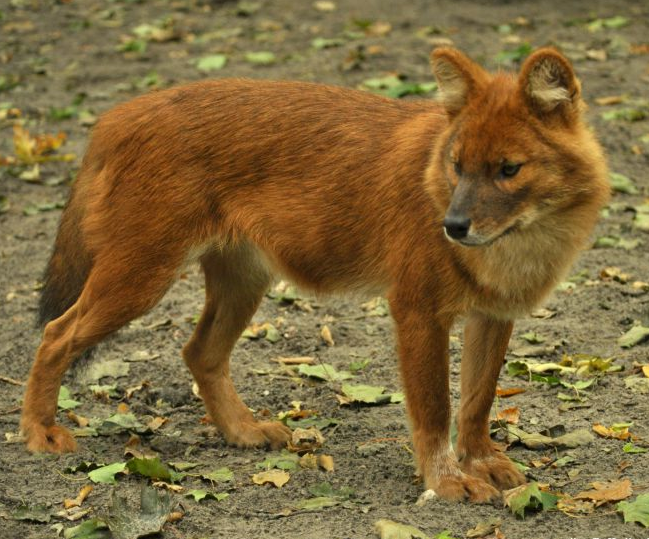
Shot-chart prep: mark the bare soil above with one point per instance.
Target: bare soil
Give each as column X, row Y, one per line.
column 52, row 51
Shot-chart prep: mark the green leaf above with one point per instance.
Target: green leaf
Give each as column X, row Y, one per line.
column 389, row 529
column 634, row 336
column 222, row 475
column 327, row 43
column 324, row 371
column 200, row 494
column 532, row 337
column 636, row 511
column 516, row 55
column 90, row 529
column 317, row 503
column 64, row 401
column 444, row 535
column 325, row 489
column 120, row 423
column 357, row 366
column 153, row 468
column 285, row 461
column 622, row 184
column 129, row 522
column 613, row 23
column 630, row 448
column 261, row 57
column 529, row 497
column 106, row 474
column 394, row 87
column 183, row 466
column 133, row 45
column 627, row 114
column 366, row 394
column 211, row 63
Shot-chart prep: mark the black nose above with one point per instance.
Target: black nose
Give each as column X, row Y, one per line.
column 457, row 226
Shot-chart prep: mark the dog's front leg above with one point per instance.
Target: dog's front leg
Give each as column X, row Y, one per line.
column 485, row 344
column 423, row 354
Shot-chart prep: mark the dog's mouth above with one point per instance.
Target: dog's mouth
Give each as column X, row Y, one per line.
column 476, row 240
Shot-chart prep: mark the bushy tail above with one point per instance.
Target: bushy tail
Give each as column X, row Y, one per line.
column 69, row 264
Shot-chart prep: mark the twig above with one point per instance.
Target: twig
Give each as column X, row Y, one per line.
column 11, row 380
column 11, row 410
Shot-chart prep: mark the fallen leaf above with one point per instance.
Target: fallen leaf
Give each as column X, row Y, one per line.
column 618, row 431
column 324, row 5
column 528, row 496
column 612, row 491
column 261, row 57
column 540, row 441
column 285, row 461
column 509, row 392
column 509, row 415
column 326, row 462
column 361, row 393
column 64, row 401
column 276, row 477
column 622, row 184
column 106, row 474
column 90, row 529
column 222, row 475
column 153, row 468
column 325, row 334
column 484, row 528
column 630, row 448
column 389, row 529
column 636, row 511
column 213, row 62
column 199, row 494
column 324, row 371
column 76, row 502
column 303, row 440
column 636, row 335
column 128, row 522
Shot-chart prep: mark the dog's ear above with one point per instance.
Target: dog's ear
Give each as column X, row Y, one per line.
column 458, row 77
column 549, row 85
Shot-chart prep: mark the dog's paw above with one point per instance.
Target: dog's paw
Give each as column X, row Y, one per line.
column 463, row 487
column 52, row 439
column 271, row 434
column 494, row 468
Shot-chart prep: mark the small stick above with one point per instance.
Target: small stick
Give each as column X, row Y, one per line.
column 11, row 380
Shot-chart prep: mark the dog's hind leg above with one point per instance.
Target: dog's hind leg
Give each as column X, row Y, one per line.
column 235, row 281
column 119, row 288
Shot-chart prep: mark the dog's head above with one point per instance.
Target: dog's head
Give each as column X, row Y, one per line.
column 516, row 148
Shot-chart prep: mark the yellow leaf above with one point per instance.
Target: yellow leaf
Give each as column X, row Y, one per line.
column 275, row 477
column 325, row 333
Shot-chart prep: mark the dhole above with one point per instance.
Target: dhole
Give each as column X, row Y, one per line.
column 475, row 205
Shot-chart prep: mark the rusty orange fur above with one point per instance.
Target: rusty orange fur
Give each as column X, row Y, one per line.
column 337, row 190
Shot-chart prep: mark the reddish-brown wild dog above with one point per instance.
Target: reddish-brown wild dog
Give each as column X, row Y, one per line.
column 476, row 206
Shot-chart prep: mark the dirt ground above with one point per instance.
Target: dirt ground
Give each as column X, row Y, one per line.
column 52, row 52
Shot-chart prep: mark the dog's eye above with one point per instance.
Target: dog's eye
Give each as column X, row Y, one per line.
column 457, row 168
column 509, row 170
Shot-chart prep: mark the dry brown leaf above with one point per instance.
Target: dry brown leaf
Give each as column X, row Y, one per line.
column 309, row 461
column 326, row 462
column 175, row 516
column 605, row 492
column 378, row 29
column 156, row 423
column 575, row 507
column 76, row 502
column 168, row 486
column 122, row 408
column 275, row 477
column 304, row 440
column 618, row 434
column 613, row 273
column 78, row 419
column 299, row 360
column 645, row 370
column 509, row 392
column 543, row 313
column 325, row 334
column 509, row 415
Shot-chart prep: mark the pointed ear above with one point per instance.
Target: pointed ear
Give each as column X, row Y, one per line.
column 458, row 77
column 549, row 85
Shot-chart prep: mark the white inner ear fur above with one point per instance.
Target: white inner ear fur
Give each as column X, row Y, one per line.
column 547, row 86
column 453, row 87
